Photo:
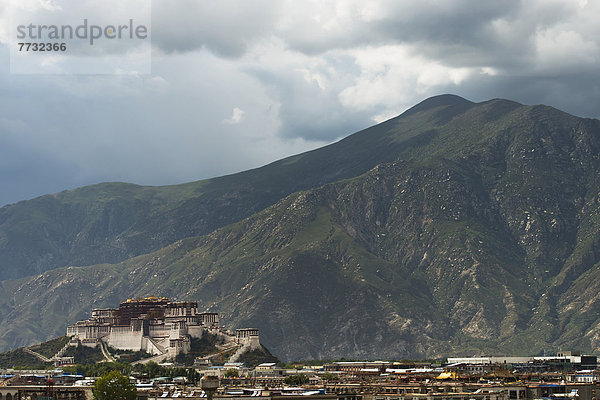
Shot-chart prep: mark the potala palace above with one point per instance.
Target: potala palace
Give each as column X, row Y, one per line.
column 155, row 325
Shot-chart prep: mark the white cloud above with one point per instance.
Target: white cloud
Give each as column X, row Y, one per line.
column 393, row 77
column 564, row 50
column 236, row 117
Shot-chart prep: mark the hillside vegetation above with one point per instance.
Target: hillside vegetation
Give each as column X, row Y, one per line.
column 49, row 348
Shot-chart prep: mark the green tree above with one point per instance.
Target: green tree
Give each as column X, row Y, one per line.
column 114, row 386
column 153, row 369
column 192, row 375
column 297, row 379
column 328, row 377
column 232, row 373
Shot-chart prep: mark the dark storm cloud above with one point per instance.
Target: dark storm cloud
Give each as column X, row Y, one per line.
column 26, row 174
column 59, row 132
column 228, row 28
column 225, row 27
column 499, row 34
column 454, row 23
column 569, row 93
column 237, row 84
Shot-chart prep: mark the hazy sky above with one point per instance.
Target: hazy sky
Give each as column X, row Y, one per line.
column 238, row 84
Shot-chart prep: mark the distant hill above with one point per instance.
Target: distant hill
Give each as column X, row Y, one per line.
column 455, row 228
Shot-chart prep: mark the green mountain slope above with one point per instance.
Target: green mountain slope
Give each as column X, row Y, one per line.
column 481, row 236
column 111, row 222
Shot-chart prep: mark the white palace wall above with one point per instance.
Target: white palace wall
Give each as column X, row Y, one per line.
column 124, row 338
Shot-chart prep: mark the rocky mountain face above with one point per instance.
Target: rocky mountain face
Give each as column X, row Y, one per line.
column 455, row 228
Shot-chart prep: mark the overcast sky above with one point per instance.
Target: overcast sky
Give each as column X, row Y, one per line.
column 238, row 84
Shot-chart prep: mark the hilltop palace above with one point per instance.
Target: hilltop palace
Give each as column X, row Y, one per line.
column 155, row 325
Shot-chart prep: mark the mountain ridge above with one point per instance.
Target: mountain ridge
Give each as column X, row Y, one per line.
column 442, row 100
column 477, row 230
